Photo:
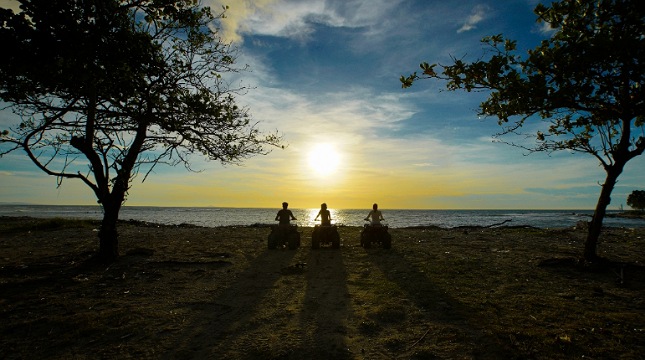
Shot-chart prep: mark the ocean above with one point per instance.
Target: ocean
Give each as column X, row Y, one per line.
column 395, row 218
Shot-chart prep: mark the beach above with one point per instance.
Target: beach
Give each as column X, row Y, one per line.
column 194, row 292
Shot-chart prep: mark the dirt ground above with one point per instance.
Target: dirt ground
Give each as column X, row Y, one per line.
column 219, row 293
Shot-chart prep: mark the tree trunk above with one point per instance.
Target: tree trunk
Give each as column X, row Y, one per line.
column 595, row 227
column 108, row 235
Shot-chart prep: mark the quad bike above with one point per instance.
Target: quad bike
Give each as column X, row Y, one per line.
column 325, row 235
column 284, row 235
column 376, row 234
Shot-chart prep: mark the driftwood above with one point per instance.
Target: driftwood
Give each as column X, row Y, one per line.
column 498, row 224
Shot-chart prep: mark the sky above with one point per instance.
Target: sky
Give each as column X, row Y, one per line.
column 325, row 74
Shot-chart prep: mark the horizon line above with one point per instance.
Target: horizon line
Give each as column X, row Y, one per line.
column 306, row 208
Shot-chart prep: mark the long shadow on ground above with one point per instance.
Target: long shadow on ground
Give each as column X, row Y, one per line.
column 218, row 325
column 326, row 331
column 445, row 318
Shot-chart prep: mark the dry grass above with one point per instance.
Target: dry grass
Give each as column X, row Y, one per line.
column 180, row 292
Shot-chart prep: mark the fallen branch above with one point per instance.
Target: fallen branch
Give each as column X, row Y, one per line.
column 498, row 224
column 416, row 342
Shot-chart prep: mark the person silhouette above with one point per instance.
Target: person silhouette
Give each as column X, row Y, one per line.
column 324, row 214
column 285, row 215
column 376, row 216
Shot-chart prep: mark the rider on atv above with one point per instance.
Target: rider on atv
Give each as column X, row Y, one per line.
column 375, row 232
column 285, row 215
column 376, row 216
column 284, row 234
column 324, row 214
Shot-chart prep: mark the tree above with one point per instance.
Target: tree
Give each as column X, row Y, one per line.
column 106, row 89
column 583, row 86
column 636, row 200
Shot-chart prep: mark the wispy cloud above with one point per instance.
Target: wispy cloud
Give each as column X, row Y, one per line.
column 477, row 15
column 296, row 19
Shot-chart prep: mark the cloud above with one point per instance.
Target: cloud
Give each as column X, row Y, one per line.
column 477, row 15
column 364, row 124
column 544, row 28
column 238, row 14
column 280, row 18
column 296, row 19
column 10, row 4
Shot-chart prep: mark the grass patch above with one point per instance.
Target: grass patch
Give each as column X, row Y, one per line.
column 30, row 224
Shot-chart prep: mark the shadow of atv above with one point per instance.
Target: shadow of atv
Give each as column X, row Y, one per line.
column 284, row 236
column 325, row 235
column 376, row 234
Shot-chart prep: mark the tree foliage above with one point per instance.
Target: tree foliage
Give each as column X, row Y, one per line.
column 584, row 85
column 106, row 89
column 636, row 200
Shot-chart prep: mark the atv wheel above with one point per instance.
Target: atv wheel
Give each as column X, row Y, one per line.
column 294, row 241
column 272, row 241
column 387, row 241
column 335, row 240
column 315, row 240
column 363, row 236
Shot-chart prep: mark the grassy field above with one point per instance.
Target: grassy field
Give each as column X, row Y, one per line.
column 219, row 293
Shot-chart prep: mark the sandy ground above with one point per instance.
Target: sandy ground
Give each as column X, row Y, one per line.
column 219, row 293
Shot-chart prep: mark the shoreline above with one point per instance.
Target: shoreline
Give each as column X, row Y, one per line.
column 579, row 226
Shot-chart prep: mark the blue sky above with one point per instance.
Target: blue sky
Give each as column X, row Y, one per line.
column 326, row 73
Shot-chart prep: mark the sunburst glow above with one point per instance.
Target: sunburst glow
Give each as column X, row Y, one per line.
column 324, row 159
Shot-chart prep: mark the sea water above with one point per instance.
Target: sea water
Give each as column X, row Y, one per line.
column 396, row 218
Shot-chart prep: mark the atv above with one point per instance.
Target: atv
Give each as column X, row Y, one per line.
column 284, row 235
column 325, row 235
column 376, row 234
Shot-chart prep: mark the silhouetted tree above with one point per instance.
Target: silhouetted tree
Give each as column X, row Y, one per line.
column 636, row 200
column 585, row 85
column 108, row 88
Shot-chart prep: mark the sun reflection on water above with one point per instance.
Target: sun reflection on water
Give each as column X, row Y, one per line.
column 337, row 217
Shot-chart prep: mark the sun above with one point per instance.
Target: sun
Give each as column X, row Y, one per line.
column 324, row 159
